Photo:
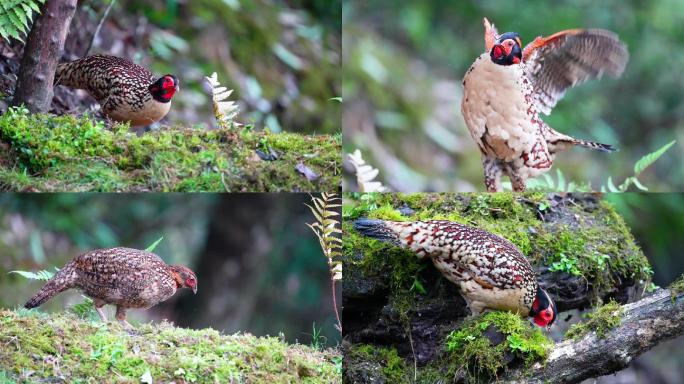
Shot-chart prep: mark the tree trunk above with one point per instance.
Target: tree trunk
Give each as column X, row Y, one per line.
column 41, row 54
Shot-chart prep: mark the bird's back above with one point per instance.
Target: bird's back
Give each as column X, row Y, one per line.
column 104, row 76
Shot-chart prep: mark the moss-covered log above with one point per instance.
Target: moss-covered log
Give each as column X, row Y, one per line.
column 642, row 325
column 48, row 153
column 37, row 347
column 579, row 246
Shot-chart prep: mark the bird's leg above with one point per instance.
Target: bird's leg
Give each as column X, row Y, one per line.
column 517, row 181
column 492, row 174
column 121, row 316
column 98, row 303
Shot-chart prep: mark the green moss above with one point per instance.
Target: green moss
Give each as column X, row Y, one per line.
column 76, row 350
column 677, row 287
column 601, row 321
column 471, row 351
column 392, row 365
column 50, row 153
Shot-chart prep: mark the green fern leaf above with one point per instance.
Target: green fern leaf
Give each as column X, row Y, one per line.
column 16, row 17
column 651, row 158
column 21, row 15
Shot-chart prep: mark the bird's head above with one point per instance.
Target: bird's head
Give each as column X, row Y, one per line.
column 164, row 88
column 507, row 49
column 543, row 309
column 185, row 278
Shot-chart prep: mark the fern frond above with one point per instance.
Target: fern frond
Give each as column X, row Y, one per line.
column 328, row 231
column 224, row 110
column 365, row 174
column 16, row 16
column 43, row 275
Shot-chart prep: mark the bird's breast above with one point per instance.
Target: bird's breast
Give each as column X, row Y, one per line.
column 138, row 113
column 498, row 108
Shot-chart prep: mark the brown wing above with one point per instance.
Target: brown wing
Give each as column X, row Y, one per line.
column 571, row 57
column 490, row 34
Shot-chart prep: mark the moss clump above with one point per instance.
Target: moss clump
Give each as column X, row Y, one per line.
column 601, row 321
column 677, row 287
column 78, row 351
column 66, row 153
column 471, row 350
column 392, row 365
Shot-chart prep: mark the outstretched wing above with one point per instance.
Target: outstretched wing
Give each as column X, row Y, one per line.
column 571, row 57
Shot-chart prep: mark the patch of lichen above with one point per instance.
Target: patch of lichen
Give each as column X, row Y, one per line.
column 471, row 351
column 66, row 153
column 77, row 351
column 602, row 320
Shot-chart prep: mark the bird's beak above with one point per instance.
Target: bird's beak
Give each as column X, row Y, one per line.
column 194, row 289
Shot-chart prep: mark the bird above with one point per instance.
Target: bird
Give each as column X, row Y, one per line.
column 125, row 277
column 490, row 271
column 126, row 91
column 507, row 87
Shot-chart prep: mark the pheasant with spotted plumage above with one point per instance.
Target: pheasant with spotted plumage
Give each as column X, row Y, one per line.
column 125, row 277
column 507, row 87
column 490, row 271
column 126, row 91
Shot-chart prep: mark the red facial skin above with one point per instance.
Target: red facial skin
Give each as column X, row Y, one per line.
column 497, row 51
column 544, row 316
column 507, row 47
column 192, row 284
column 169, row 87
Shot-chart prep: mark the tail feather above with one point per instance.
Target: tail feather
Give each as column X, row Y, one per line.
column 594, row 145
column 376, row 229
column 62, row 281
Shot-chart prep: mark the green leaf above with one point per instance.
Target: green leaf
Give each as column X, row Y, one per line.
column 40, row 275
column 154, row 245
column 611, row 186
column 338, row 99
column 649, row 159
column 21, row 14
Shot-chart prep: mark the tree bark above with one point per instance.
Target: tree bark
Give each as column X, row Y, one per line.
column 41, row 54
column 645, row 323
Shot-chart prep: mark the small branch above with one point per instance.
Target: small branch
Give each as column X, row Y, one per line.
column 645, row 324
column 99, row 26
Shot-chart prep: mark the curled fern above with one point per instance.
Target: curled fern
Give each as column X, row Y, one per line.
column 15, row 17
column 224, row 110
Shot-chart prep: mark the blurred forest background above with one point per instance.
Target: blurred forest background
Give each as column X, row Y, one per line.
column 282, row 58
column 403, row 63
column 259, row 268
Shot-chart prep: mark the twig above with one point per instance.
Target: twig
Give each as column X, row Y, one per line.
column 99, row 26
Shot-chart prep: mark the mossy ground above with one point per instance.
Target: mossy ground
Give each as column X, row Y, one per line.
column 601, row 320
column 597, row 246
column 37, row 347
column 67, row 153
column 467, row 351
